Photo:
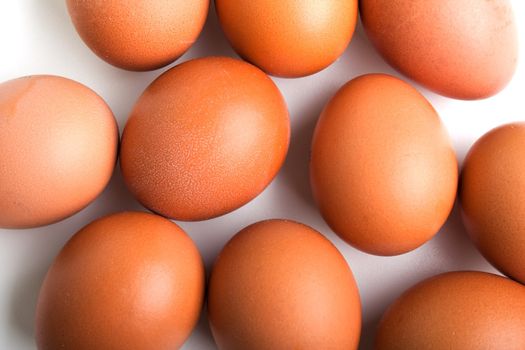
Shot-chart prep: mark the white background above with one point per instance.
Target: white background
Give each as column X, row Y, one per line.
column 36, row 37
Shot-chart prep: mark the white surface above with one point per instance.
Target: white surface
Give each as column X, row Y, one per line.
column 37, row 38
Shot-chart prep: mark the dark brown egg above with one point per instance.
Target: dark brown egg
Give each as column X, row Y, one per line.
column 205, row 138
column 383, row 170
column 282, row 285
column 456, row 310
column 493, row 197
column 126, row 281
column 464, row 49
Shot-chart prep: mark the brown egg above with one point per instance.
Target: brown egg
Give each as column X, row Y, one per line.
column 138, row 35
column 492, row 198
column 464, row 49
column 127, row 281
column 456, row 310
column 383, row 170
column 205, row 138
column 288, row 38
column 58, row 148
column 281, row 285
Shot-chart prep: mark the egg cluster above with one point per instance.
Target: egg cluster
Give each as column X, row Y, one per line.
column 210, row 134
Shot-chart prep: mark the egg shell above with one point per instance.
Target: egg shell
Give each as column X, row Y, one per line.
column 464, row 49
column 127, row 281
column 288, row 38
column 138, row 35
column 58, row 149
column 278, row 284
column 383, row 170
column 205, row 138
column 492, row 197
column 456, row 310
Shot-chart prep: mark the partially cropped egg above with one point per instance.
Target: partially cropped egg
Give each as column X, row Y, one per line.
column 492, row 197
column 136, row 34
column 288, row 38
column 279, row 284
column 127, row 281
column 58, row 149
column 383, row 170
column 464, row 49
column 205, row 138
column 456, row 310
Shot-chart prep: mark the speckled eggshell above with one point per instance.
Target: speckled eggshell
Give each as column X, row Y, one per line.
column 456, row 310
column 278, row 284
column 288, row 38
column 383, row 170
column 138, row 35
column 58, row 149
column 127, row 281
column 493, row 198
column 464, row 49
column 205, row 138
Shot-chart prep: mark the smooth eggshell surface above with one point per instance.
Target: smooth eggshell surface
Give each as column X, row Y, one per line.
column 205, row 138
column 136, row 34
column 463, row 49
column 126, row 281
column 492, row 197
column 383, row 170
column 288, row 38
column 281, row 285
column 456, row 310
column 58, row 149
